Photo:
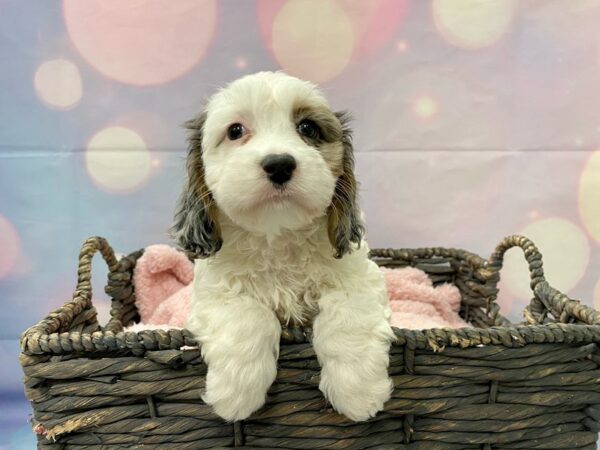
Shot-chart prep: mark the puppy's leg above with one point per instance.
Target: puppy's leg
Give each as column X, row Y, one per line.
column 240, row 345
column 352, row 338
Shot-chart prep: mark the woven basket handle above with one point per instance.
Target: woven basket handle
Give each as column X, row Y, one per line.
column 84, row 272
column 531, row 252
column 61, row 318
column 536, row 310
column 546, row 299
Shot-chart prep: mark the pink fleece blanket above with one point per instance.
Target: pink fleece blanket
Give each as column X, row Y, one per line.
column 163, row 282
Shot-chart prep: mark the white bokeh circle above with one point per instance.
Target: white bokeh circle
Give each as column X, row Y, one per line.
column 473, row 24
column 118, row 160
column 58, row 84
column 313, row 39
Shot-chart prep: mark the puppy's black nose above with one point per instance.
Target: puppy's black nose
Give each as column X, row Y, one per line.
column 279, row 168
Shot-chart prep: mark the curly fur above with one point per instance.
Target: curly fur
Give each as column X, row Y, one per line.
column 280, row 254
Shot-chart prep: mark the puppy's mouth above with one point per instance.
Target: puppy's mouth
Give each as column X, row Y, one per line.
column 277, row 195
column 281, row 197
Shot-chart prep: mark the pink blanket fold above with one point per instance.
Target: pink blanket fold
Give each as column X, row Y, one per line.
column 163, row 281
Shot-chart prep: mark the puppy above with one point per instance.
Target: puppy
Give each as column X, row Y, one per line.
column 269, row 213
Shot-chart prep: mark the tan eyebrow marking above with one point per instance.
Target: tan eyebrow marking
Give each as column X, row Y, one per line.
column 327, row 121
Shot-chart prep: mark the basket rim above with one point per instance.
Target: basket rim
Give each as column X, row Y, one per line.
column 434, row 339
column 42, row 338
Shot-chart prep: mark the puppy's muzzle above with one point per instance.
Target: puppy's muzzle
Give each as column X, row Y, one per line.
column 279, row 168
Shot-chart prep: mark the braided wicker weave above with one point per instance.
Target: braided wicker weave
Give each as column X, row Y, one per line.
column 494, row 386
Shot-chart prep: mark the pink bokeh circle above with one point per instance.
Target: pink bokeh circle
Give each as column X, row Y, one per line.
column 375, row 22
column 138, row 42
column 10, row 244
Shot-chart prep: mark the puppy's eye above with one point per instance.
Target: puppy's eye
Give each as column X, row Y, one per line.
column 309, row 129
column 235, row 131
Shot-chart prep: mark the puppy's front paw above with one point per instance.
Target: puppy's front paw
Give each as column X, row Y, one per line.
column 233, row 406
column 235, row 395
column 353, row 391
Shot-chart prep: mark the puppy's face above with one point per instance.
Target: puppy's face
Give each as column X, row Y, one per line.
column 272, row 152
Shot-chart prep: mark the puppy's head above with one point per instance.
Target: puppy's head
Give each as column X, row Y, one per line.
column 270, row 154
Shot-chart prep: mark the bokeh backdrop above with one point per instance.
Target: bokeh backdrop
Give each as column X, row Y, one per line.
column 474, row 119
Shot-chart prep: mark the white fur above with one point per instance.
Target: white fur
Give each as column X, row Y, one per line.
column 276, row 264
column 263, row 103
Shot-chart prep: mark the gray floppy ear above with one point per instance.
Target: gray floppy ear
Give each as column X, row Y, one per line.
column 195, row 227
column 343, row 217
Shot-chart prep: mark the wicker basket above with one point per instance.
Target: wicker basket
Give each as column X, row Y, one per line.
column 494, row 386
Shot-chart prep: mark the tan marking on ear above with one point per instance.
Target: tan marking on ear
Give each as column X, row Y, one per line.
column 196, row 227
column 344, row 226
column 333, row 155
column 197, row 177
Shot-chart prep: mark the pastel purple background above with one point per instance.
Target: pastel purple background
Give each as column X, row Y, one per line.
column 473, row 120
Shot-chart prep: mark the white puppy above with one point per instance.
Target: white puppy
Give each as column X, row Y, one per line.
column 270, row 198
